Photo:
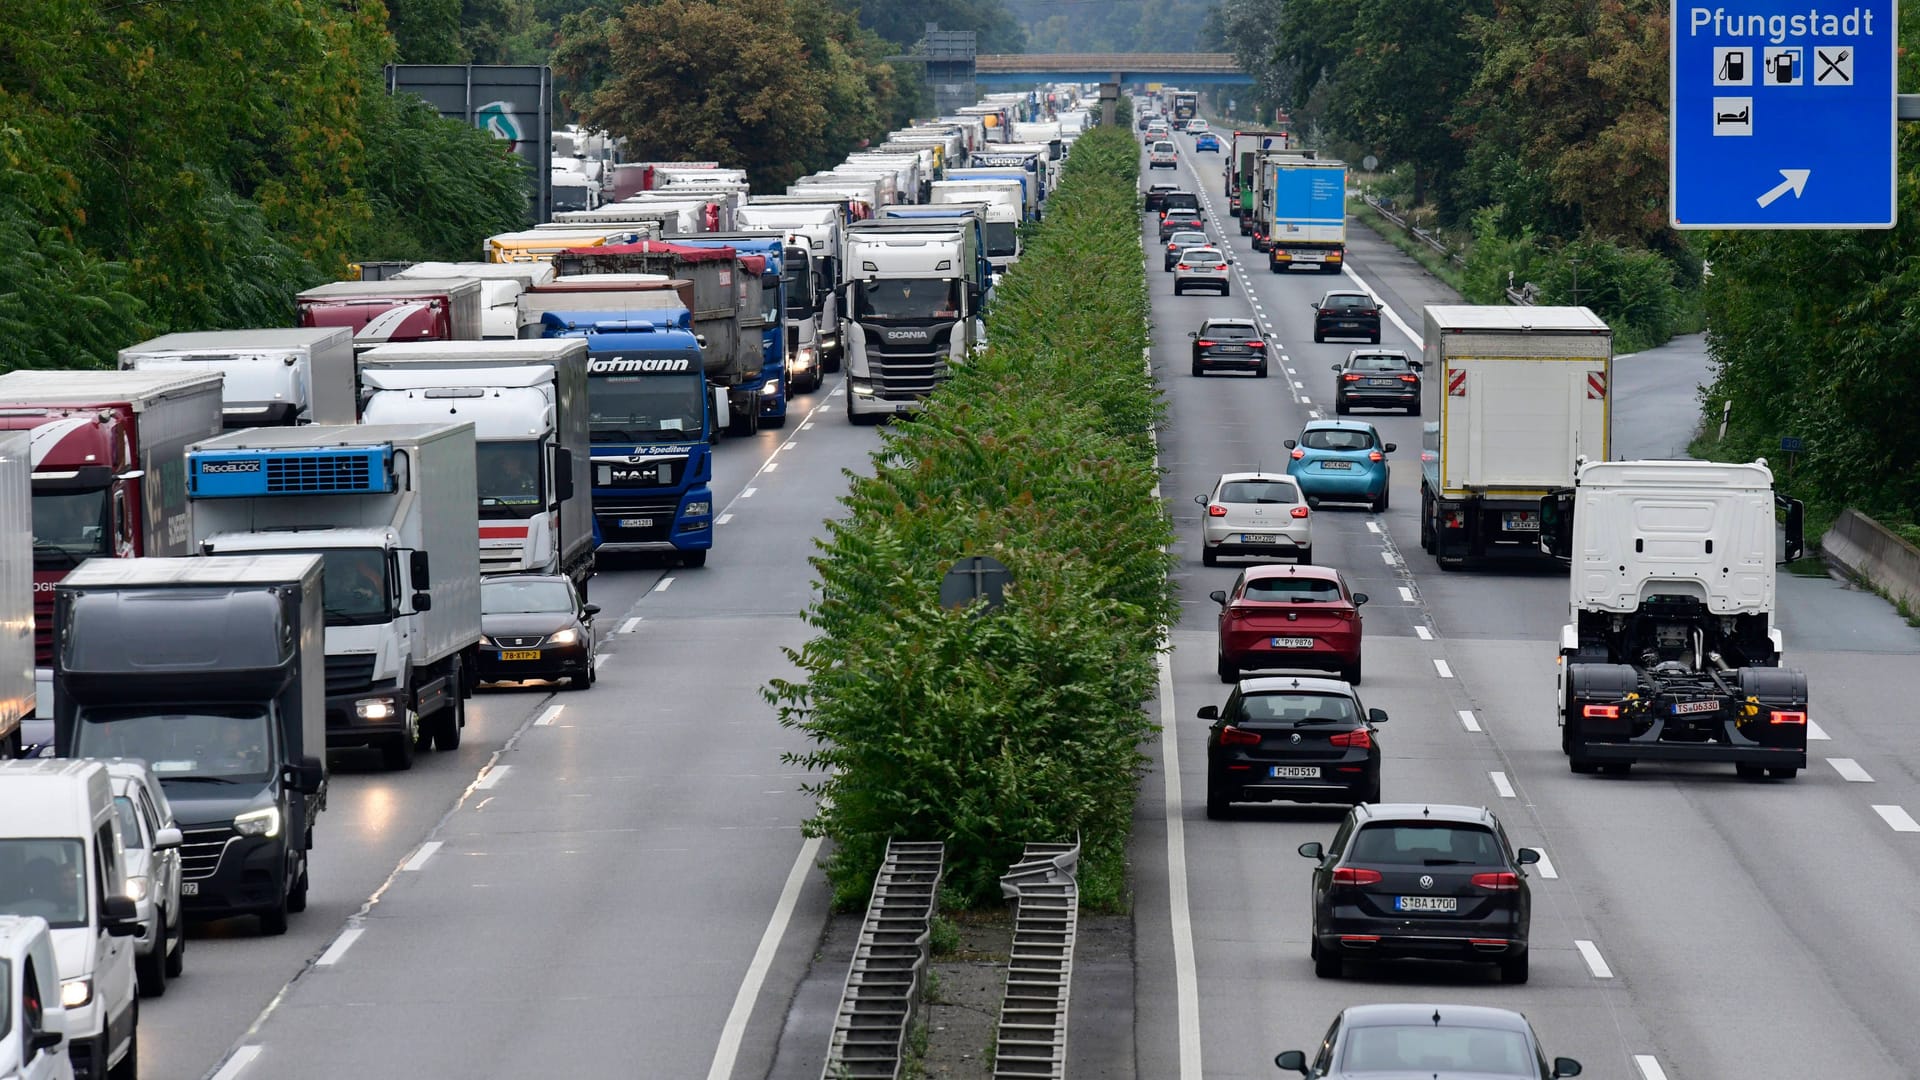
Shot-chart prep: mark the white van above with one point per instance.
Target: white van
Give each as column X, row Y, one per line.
column 63, row 859
column 33, row 1025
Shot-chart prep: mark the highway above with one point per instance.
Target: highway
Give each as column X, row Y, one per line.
column 1690, row 924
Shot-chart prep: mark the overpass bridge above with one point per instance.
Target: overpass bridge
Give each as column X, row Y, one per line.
column 1025, row 68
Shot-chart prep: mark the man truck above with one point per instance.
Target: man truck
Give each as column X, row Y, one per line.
column 1673, row 652
column 299, row 375
column 391, row 509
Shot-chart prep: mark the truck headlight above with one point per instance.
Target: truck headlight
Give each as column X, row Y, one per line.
column 264, row 822
column 699, row 508
column 863, row 387
column 374, row 708
column 803, row 359
column 772, row 386
column 564, row 637
column 76, row 992
column 136, row 889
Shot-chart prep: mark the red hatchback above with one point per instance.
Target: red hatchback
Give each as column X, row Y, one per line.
column 1290, row 617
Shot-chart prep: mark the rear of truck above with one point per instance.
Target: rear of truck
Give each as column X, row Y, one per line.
column 1307, row 225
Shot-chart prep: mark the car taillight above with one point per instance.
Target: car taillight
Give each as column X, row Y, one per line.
column 1216, row 510
column 1409, row 378
column 1355, row 875
column 1300, row 511
column 1504, row 881
column 1360, row 739
column 1799, row 718
column 1222, row 266
column 1376, row 456
column 1298, row 453
column 1371, row 313
column 1171, row 247
column 1256, row 344
column 1601, row 712
column 1233, row 736
column 1204, row 344
column 1349, row 378
column 1327, row 311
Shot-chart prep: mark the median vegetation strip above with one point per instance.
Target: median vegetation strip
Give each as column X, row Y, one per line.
column 991, row 729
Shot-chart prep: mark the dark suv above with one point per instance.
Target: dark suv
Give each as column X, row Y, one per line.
column 1157, row 195
column 1178, row 220
column 1377, row 379
column 1424, row 880
column 1182, row 200
column 1229, row 343
column 1346, row 314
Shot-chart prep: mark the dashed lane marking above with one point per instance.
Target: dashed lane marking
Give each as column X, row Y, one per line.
column 1849, row 770
column 238, row 1063
column 421, row 855
column 630, row 625
column 1406, row 595
column 1423, row 633
column 551, row 714
column 1502, row 785
column 770, row 466
column 340, row 946
column 1595, row 962
column 1816, row 733
column 1545, row 866
column 723, row 519
column 808, row 426
column 1649, row 1068
column 1466, row 717
column 1897, row 818
column 491, row 777
column 1387, row 557
column 1373, row 527
column 665, row 584
column 1441, row 668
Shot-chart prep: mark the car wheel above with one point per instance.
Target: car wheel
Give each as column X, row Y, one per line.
column 1375, row 339
column 129, row 1067
column 273, row 921
column 1177, row 290
column 1379, row 503
column 1514, row 971
column 1340, row 406
column 1260, row 372
column 1371, row 794
column 1198, row 370
column 1229, row 673
column 297, row 899
column 150, row 971
column 1617, row 768
column 1414, row 410
column 1319, row 338
column 1785, row 772
column 1750, row 772
column 1351, row 675
column 1207, row 557
column 1218, row 804
column 1327, row 965
column 1305, row 556
column 177, row 955
column 1313, row 502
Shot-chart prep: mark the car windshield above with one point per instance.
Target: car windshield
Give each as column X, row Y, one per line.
column 647, row 408
column 44, row 877
column 1264, row 492
column 129, row 823
column 1425, row 843
column 1292, row 589
column 907, row 299
column 1298, row 707
column 509, row 475
column 1163, row 148
column 1378, row 363
column 536, row 597
column 1230, row 332
column 1183, row 240
column 68, row 526
column 1426, row 1050
column 222, row 742
column 1336, row 439
column 1346, row 300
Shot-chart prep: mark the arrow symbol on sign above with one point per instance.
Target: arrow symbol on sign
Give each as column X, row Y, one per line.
column 1796, row 182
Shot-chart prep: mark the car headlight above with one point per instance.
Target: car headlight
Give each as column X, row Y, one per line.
column 564, row 637
column 699, row 508
column 374, row 708
column 487, row 642
column 804, row 359
column 136, row 889
column 772, row 386
column 76, row 992
column 264, row 822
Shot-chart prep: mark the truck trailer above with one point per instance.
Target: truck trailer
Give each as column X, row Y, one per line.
column 395, row 310
column 273, row 377
column 1306, row 222
column 500, row 287
column 391, row 509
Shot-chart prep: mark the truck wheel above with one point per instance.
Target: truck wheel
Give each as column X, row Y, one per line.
column 775, row 422
column 398, row 751
column 862, row 419
column 273, row 921
column 447, row 726
column 694, row 559
column 297, row 899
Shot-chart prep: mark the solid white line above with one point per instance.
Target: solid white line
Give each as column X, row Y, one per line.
column 1849, row 770
column 736, row 1027
column 723, row 519
column 665, row 584
column 1391, row 314
column 1595, row 962
column 1466, row 718
column 547, row 718
column 1545, row 866
column 1185, row 976
column 340, row 946
column 630, row 626
column 421, row 856
column 1423, row 633
column 1816, row 733
column 491, row 777
column 1649, row 1068
column 238, row 1063
column 1440, row 666
column 1387, row 557
column 1373, row 527
column 747, row 493
column 770, row 466
column 1502, row 785
column 1406, row 594
column 1897, row 818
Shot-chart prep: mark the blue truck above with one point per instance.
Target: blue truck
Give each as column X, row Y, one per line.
column 773, row 312
column 652, row 429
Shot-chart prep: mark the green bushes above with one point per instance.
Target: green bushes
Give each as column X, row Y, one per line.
column 991, row 730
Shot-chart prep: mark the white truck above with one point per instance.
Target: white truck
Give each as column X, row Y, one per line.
column 1672, row 653
column 1005, row 208
column 1524, row 394
column 911, row 311
column 1304, row 223
column 391, row 509
column 818, row 225
column 527, row 401
column 272, row 377
column 17, row 687
column 500, row 287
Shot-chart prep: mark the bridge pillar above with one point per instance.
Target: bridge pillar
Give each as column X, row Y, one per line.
column 1109, row 99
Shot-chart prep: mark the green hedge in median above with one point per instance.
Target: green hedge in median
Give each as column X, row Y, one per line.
column 992, row 730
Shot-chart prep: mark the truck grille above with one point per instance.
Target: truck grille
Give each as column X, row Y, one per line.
column 345, row 674
column 501, row 561
column 201, row 851
column 657, row 512
column 907, row 371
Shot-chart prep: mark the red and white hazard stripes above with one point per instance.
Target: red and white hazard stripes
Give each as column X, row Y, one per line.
column 1457, row 383
column 1596, row 386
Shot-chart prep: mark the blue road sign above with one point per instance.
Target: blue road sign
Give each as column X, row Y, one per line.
column 1784, row 115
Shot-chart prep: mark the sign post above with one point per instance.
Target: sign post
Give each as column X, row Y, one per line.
column 1784, row 115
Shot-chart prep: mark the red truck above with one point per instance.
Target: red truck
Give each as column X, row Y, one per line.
column 109, row 456
column 396, row 310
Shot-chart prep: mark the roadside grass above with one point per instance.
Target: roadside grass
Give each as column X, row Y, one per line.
column 1430, row 260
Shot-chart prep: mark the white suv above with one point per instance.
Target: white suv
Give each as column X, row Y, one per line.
column 1255, row 515
column 1201, row 268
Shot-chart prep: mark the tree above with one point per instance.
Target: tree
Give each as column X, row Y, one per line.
column 425, row 31
column 904, row 22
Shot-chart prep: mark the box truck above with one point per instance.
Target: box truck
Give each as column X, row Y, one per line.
column 284, row 375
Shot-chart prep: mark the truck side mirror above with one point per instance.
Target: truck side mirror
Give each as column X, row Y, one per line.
column 422, row 601
column 307, row 777
column 1556, row 524
column 417, row 569
column 1795, row 524
column 562, row 474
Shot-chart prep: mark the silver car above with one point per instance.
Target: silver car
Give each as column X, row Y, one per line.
column 1255, row 515
column 153, row 873
column 1201, row 268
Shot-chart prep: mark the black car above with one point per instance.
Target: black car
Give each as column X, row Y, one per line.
column 1441, row 1042
column 1413, row 880
column 534, row 626
column 1292, row 739
column 1229, row 343
column 1174, row 221
column 1157, row 195
column 1346, row 314
column 1181, row 241
column 1182, row 200
column 1377, row 379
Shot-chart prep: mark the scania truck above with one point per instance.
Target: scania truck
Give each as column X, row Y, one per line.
column 109, row 462
column 273, row 377
column 392, row 511
column 527, row 401
column 912, row 306
column 1673, row 652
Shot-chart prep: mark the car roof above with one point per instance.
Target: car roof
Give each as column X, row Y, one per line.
column 1401, row 353
column 1224, row 321
column 1452, row 812
column 496, row 579
column 1164, row 186
column 1236, row 477
column 1280, row 684
column 1276, row 570
column 1178, row 233
column 1481, row 1016
column 1340, row 425
column 1347, row 292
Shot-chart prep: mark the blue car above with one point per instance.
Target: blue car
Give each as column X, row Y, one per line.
column 1206, row 141
column 1341, row 461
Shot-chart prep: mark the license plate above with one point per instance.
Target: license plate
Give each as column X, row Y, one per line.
column 1336, row 464
column 1294, row 772
column 189, row 888
column 1256, row 538
column 1379, row 382
column 1686, row 707
column 1522, row 522
column 1293, row 643
column 636, row 523
column 1223, row 349
column 1426, row 903
column 520, row 654
column 1307, row 256
column 1348, row 325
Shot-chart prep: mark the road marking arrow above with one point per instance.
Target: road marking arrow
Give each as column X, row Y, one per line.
column 1796, row 182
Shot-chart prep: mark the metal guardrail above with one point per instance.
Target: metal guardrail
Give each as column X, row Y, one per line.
column 1033, row 1017
column 889, row 965
column 1521, row 297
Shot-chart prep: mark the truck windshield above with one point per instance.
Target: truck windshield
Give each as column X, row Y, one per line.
column 68, row 526
column 798, row 278
column 645, row 408
column 907, row 300
column 230, row 743
column 1001, row 238
column 510, row 479
column 358, row 588
column 570, row 197
column 770, row 300
column 44, row 877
